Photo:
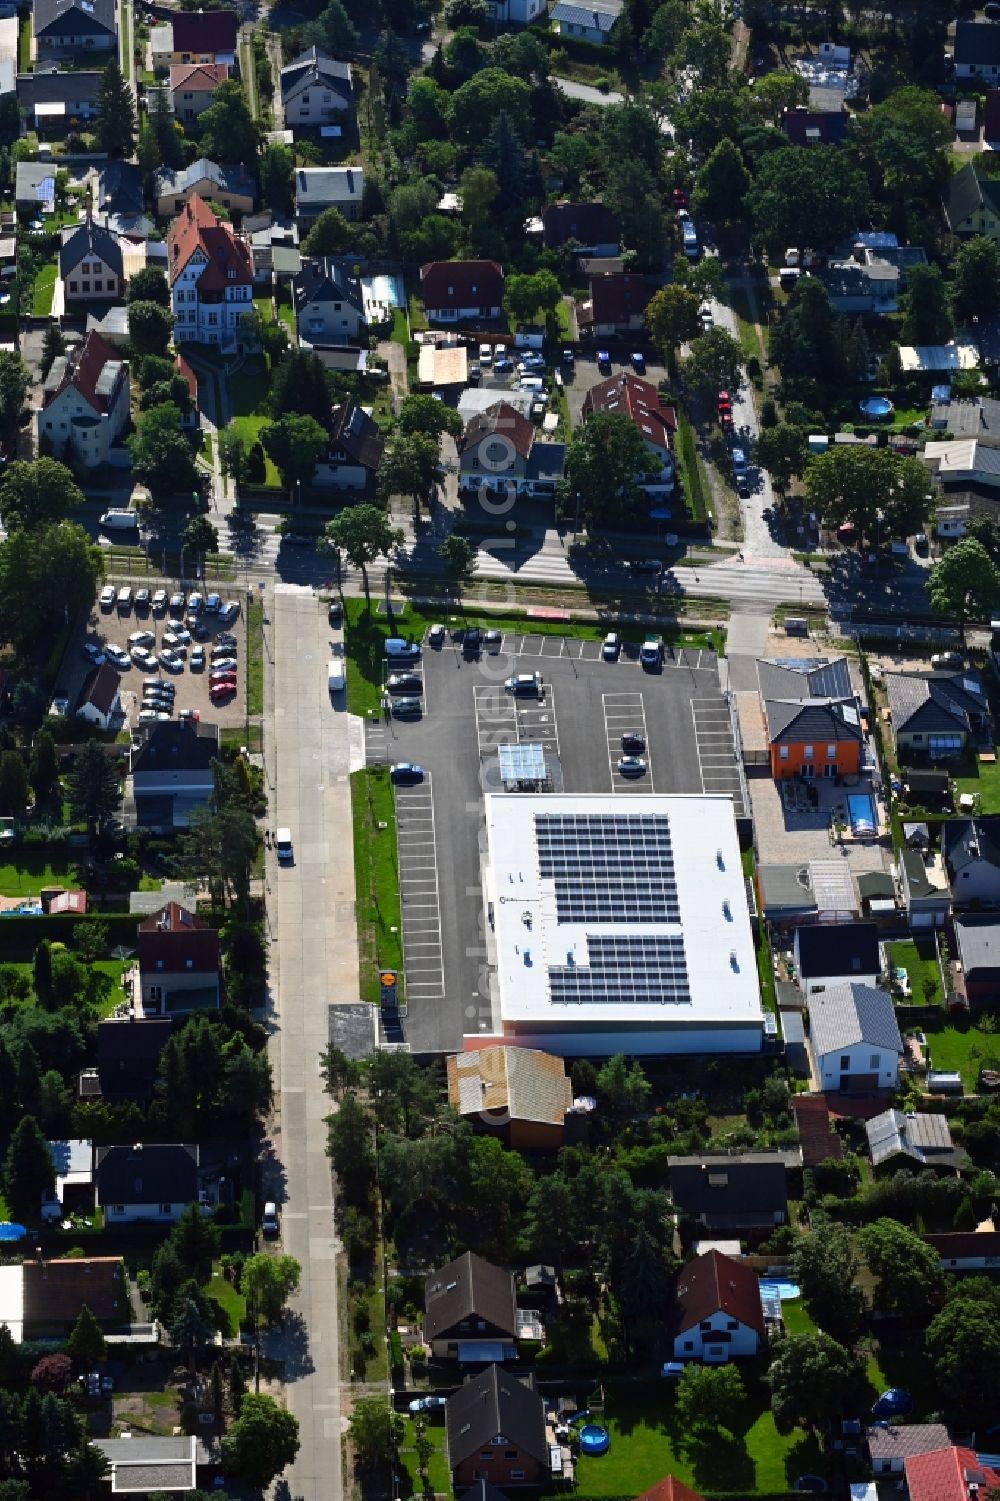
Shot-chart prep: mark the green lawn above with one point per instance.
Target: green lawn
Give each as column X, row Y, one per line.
column 410, row 1482
column 42, row 291
column 24, row 63
column 255, row 657
column 982, row 779
column 29, row 873
column 376, row 878
column 795, row 1318
column 227, row 1297
column 248, row 403
column 113, row 968
column 918, row 956
column 961, row 1045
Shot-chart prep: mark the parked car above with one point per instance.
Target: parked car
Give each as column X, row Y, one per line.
column 705, row 315
column 226, row 638
column 108, row 597
column 647, row 565
column 170, row 660
column 197, row 663
column 195, row 602
column 404, row 682
column 186, row 715
column 223, row 648
column 493, row 638
column 524, row 683
column 406, row 771
column 212, row 603
column 125, row 599
column 921, row 544
column 335, row 612
column 427, row 1404
column 159, row 601
column 568, row 357
column 151, row 716
column 436, row 635
column 118, row 658
column 612, row 647
column 502, row 363
column 93, row 653
column 142, row 638
column 948, row 659
column 142, row 657
column 229, row 611
column 633, row 741
column 638, row 361
column 142, row 599
column 176, row 603
column 678, row 198
column 485, row 355
column 407, row 708
column 219, row 691
column 604, row 362
column 161, row 683
column 177, row 635
column 631, row 766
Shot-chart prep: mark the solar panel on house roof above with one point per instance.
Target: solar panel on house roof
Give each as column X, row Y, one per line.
column 608, row 867
column 522, row 763
column 623, row 968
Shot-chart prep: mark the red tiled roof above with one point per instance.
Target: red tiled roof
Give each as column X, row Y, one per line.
column 587, row 223
column 617, row 298
column 196, row 227
column 83, row 370
column 172, row 936
column 669, row 1489
column 961, row 1243
column 460, row 284
column 201, row 77
column 204, row 31
column 502, row 419
column 816, row 1137
column 945, row 1474
column 714, row 1283
column 638, row 400
column 55, row 1291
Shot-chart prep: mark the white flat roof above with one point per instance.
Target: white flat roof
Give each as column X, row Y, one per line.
column 12, row 1300
column 627, row 909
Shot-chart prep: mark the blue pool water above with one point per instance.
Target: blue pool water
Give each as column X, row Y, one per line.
column 385, row 289
column 779, row 1288
column 594, row 1439
column 875, row 406
column 861, row 811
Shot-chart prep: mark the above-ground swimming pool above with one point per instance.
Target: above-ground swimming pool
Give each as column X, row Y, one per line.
column 594, row 1439
column 861, row 812
column 875, row 406
column 780, row 1288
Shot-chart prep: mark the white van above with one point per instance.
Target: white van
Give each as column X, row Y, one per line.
column 269, row 1223
column 336, row 675
column 119, row 521
column 531, row 383
column 283, row 844
column 398, row 646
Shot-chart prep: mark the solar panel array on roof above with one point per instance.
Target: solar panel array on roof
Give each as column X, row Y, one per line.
column 522, row 763
column 608, row 867
column 624, row 969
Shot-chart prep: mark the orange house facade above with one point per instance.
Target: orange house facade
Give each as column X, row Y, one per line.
column 790, row 758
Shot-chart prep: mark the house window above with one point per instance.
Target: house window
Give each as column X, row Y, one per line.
column 86, row 286
column 705, row 1326
column 831, row 753
column 783, row 753
column 118, row 1209
column 190, row 963
column 689, row 1344
column 98, row 286
column 732, row 1324
column 845, row 1063
column 159, row 963
column 510, row 1454
column 486, row 1454
column 517, row 1474
column 873, row 1061
column 807, row 751
column 164, row 1208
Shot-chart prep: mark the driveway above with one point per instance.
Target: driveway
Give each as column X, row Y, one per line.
column 586, row 94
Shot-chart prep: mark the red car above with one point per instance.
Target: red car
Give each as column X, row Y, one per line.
column 222, row 689
column 725, row 404
column 678, row 198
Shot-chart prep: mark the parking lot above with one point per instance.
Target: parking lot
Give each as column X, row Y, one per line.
column 578, row 714
column 113, row 627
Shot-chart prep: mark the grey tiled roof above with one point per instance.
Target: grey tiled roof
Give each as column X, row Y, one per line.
column 598, row 19
column 815, row 721
column 807, row 677
column 978, row 941
column 934, row 701
column 848, row 1014
column 923, row 1137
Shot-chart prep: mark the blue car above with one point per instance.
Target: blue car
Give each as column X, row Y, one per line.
column 406, row 771
column 603, row 360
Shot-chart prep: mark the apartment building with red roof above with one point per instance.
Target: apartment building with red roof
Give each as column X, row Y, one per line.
column 211, row 277
column 717, row 1312
column 193, row 86
column 639, row 401
column 85, row 407
column 616, row 305
column 454, row 291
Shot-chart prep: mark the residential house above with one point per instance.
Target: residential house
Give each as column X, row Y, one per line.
column 500, row 451
column 470, row 1311
column 924, row 885
column 63, row 97
column 977, row 942
column 139, row 1463
column 155, row 1181
column 192, row 88
column 866, row 289
column 720, row 1192
column 514, row 12
column 812, row 127
column 811, row 716
column 968, row 416
column 640, row 401
column 171, row 773
column 54, row 1291
column 455, row 290
column 210, row 276
column 85, row 403
column 73, row 1192
column 320, row 188
column 91, row 267
column 591, row 22
column 495, row 1427
column 74, row 28
column 971, row 202
column 316, row 90
column 949, row 1474
column 355, row 453
column 828, row 955
column 890, row 1444
column 329, row 303
column 128, row 1055
column 967, row 1250
column 818, row 1140
column 970, row 850
column 854, row 1038
column 924, row 1138
column 593, row 228
column 116, row 186
column 937, row 716
column 977, row 50
column 100, row 697
column 180, row 963
column 669, row 1489
column 195, row 36
column 964, row 465
column 520, row 1095
column 231, row 187
column 616, row 305
column 717, row 1314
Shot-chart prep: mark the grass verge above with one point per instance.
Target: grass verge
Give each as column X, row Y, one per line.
column 227, row 1297
column 255, row 657
column 376, row 878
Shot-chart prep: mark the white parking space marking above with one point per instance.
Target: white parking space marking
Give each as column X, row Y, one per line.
column 720, row 771
column 626, row 712
column 496, row 718
column 536, row 720
column 416, row 851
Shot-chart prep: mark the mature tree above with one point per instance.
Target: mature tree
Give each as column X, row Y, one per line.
column 478, row 188
column 975, row 278
column 229, row 132
column 409, row 467
column 928, row 317
column 524, row 295
column 783, row 451
column 148, row 284
column 962, row 1342
column 295, row 444
column 714, row 363
column 28, row 1173
column 422, row 414
column 882, row 494
column 267, row 1282
column 775, row 92
column 721, row 186
column 459, row 558
column 826, row 1268
column 15, row 383
column 606, row 462
column 92, row 786
column 349, row 1133
column 478, row 102
column 705, row 278
column 631, row 191
column 965, row 584
column 333, row 30
column 299, row 384
column 623, row 1085
column 642, row 1288
column 115, row 122
column 196, row 1242
column 375, row 1432
column 907, row 1272
column 191, row 1324
column 809, row 343
column 45, row 574
column 812, row 197
column 53, row 344
column 331, row 234
column 201, row 535
column 234, row 456
column 277, row 178
column 15, row 789
column 37, row 494
column 175, row 391
column 709, row 1398
column 904, row 140
column 149, row 327
column 672, row 319
column 707, row 116
column 219, row 848
column 813, row 1379
column 53, row 1373
column 262, row 1441
column 161, row 451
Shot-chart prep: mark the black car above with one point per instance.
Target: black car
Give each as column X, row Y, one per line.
column 472, row 638
column 492, row 638
column 200, row 631
column 335, row 613
column 404, row 682
column 633, row 741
